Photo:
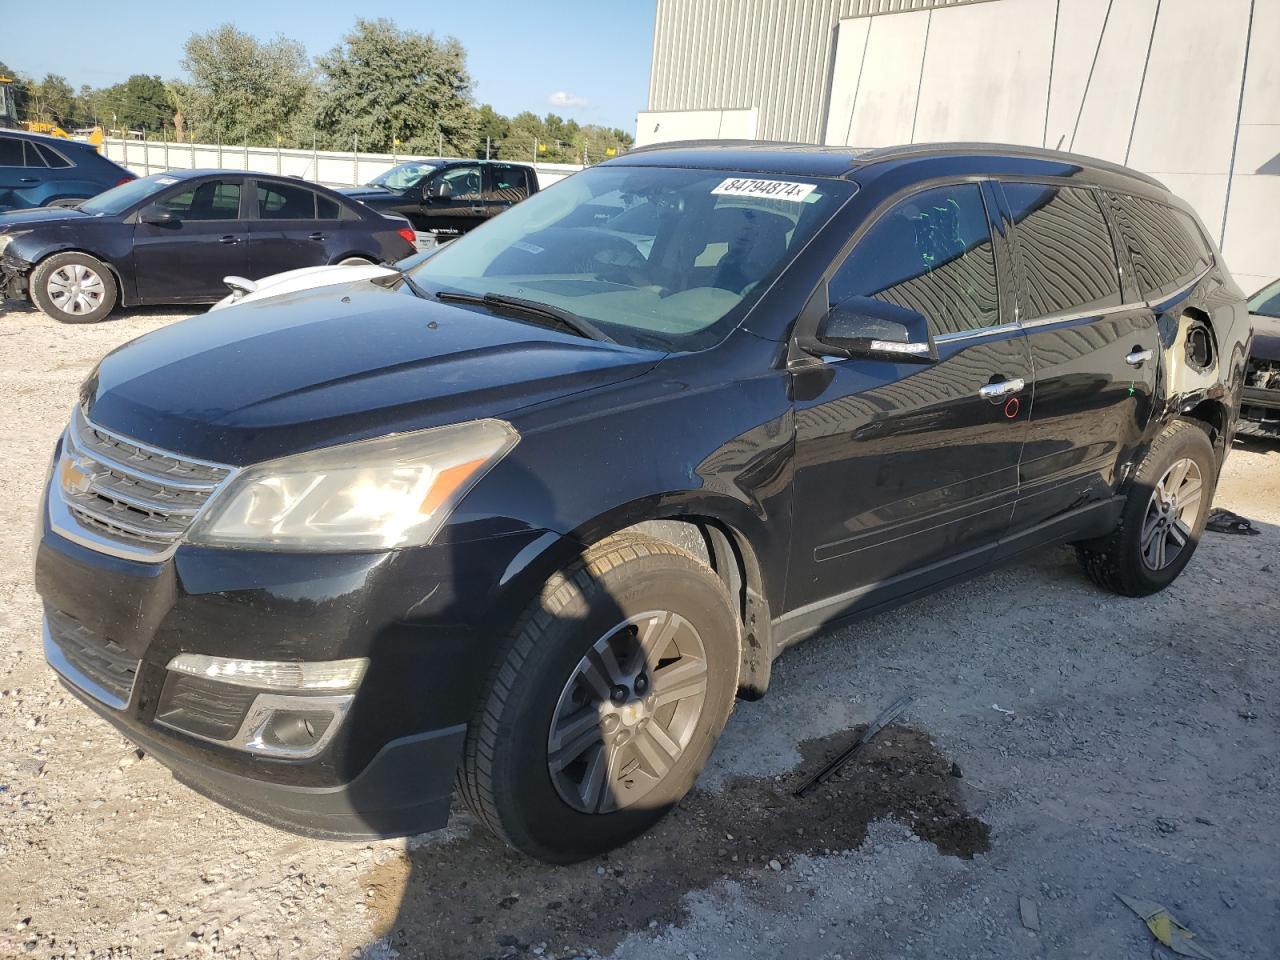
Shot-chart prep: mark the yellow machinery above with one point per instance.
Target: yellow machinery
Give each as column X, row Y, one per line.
column 9, row 114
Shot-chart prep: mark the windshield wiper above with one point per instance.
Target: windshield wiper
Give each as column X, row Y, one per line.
column 532, row 308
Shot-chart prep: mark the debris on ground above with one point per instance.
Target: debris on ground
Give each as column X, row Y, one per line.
column 1030, row 914
column 999, row 709
column 1165, row 928
column 1224, row 521
column 886, row 717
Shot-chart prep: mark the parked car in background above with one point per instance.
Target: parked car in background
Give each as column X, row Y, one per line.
column 38, row 171
column 174, row 237
column 526, row 517
column 448, row 197
column 1260, row 406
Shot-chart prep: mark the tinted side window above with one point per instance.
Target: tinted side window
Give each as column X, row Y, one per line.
column 211, row 200
column 279, row 201
column 509, row 183
column 34, row 159
column 327, row 209
column 931, row 253
column 464, row 182
column 52, row 157
column 10, row 152
column 1065, row 247
column 1163, row 254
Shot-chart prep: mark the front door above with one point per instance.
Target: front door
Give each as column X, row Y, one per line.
column 453, row 201
column 904, row 473
column 1096, row 356
column 185, row 260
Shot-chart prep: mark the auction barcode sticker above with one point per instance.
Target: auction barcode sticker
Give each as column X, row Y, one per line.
column 770, row 189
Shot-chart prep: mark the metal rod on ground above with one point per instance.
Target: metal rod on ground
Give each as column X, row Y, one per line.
column 880, row 722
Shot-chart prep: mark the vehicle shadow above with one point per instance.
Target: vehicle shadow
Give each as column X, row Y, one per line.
column 25, row 310
column 462, row 893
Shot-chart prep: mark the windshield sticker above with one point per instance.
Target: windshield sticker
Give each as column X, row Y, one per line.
column 528, row 247
column 165, row 181
column 770, row 189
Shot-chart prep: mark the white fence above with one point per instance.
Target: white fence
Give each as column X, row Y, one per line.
column 320, row 166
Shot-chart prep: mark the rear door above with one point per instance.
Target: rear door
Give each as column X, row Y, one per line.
column 505, row 185
column 187, row 259
column 293, row 227
column 904, row 474
column 1096, row 352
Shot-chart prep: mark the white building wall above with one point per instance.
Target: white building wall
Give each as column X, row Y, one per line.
column 1156, row 85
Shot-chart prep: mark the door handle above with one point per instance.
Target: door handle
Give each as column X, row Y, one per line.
column 316, row 236
column 229, row 238
column 1138, row 357
column 28, row 180
column 1001, row 388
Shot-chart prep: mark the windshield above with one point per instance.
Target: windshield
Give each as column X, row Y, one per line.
column 653, row 256
column 402, row 177
column 119, row 199
column 1266, row 302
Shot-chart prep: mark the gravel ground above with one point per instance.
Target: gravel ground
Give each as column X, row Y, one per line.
column 1134, row 751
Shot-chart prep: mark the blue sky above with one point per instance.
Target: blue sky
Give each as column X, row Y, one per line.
column 581, row 59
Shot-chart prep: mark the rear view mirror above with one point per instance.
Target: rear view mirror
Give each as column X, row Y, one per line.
column 866, row 327
column 157, row 215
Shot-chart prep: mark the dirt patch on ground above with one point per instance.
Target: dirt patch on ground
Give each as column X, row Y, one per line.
column 473, row 898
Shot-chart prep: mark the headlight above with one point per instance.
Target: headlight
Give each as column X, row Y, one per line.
column 378, row 494
column 274, row 675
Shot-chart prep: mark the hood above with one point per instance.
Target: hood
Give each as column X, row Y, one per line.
column 338, row 364
column 305, row 278
column 19, row 219
column 368, row 192
column 1266, row 337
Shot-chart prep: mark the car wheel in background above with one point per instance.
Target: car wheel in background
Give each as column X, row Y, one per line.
column 66, row 203
column 1163, row 517
column 617, row 681
column 354, row 261
column 73, row 288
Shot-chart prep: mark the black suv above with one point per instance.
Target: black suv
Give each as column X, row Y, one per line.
column 533, row 511
column 447, row 197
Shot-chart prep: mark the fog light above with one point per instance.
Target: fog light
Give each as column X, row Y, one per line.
column 274, row 674
column 292, row 727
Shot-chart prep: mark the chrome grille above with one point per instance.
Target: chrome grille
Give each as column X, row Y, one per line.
column 129, row 493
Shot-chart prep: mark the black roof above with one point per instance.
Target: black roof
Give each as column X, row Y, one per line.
column 814, row 160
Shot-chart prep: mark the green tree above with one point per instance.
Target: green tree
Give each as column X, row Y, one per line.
column 243, row 88
column 383, row 84
column 51, row 100
column 139, row 103
column 491, row 130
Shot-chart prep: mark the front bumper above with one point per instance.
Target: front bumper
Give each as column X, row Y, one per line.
column 13, row 278
column 429, row 621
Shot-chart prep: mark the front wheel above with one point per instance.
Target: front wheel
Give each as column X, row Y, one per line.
column 73, row 288
column 1163, row 517
column 609, row 700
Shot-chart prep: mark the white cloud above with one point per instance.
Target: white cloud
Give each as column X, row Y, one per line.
column 563, row 98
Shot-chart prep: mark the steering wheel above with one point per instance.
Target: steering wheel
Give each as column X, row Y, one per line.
column 612, row 259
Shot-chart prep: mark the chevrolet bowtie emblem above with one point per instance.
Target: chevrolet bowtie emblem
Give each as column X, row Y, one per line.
column 75, row 475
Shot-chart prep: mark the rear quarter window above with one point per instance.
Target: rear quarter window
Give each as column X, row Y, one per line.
column 52, row 157
column 1164, row 245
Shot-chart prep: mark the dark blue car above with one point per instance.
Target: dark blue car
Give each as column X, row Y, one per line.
column 38, row 171
column 174, row 237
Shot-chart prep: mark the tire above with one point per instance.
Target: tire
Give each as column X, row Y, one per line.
column 73, row 288
column 1143, row 555
column 354, row 261
column 65, row 203
column 623, row 588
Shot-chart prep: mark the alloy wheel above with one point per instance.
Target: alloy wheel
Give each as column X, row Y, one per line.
column 76, row 289
column 628, row 712
column 1171, row 514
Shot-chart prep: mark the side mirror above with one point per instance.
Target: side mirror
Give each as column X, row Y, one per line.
column 157, row 215
column 866, row 327
column 439, row 190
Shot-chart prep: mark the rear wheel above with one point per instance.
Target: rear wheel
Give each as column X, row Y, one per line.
column 73, row 288
column 1163, row 518
column 607, row 704
column 353, row 262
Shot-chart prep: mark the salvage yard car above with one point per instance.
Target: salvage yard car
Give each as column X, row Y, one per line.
column 174, row 237
column 38, row 171
column 527, row 516
column 1260, row 407
column 446, row 198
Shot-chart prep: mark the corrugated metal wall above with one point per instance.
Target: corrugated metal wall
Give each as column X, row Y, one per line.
column 771, row 54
